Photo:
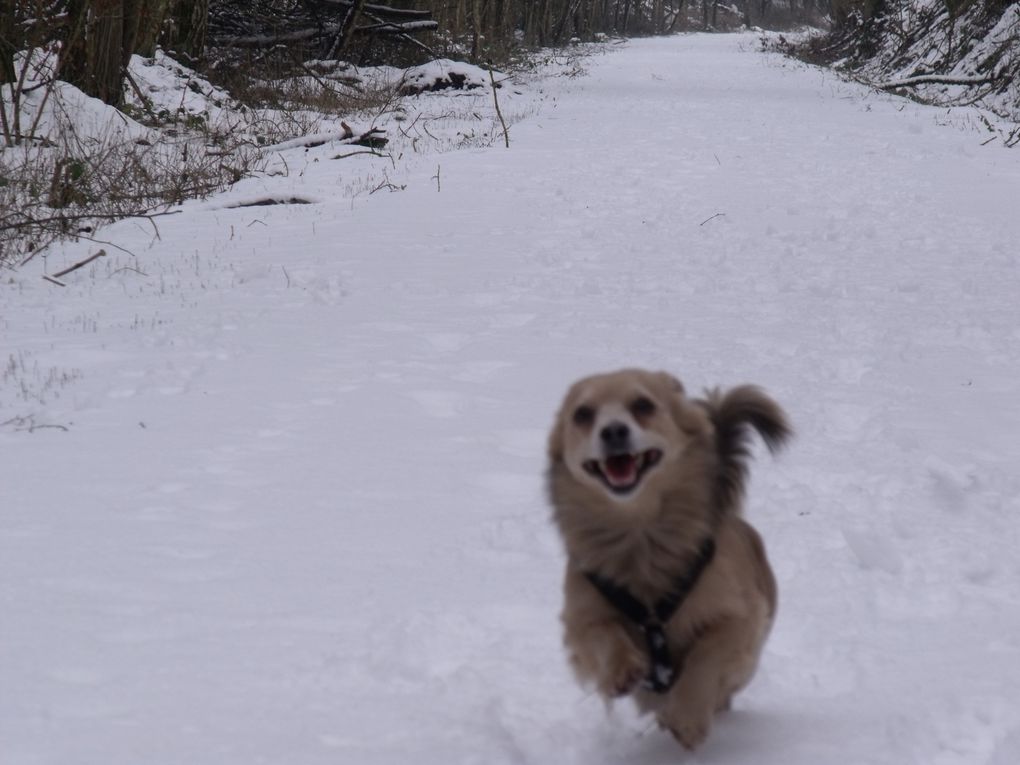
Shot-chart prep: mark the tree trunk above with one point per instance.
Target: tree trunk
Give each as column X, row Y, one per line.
column 8, row 46
column 151, row 16
column 190, row 22
column 104, row 78
column 73, row 63
column 132, row 24
column 476, row 30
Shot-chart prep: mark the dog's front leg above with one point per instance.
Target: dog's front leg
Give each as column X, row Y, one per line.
column 713, row 670
column 600, row 650
column 604, row 653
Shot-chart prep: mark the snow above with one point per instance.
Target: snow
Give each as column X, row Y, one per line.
column 977, row 46
column 271, row 487
column 443, row 73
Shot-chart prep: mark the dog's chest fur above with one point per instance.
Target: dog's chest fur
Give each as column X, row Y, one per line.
column 643, row 548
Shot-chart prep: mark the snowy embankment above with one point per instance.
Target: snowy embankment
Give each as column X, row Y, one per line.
column 281, row 497
column 940, row 52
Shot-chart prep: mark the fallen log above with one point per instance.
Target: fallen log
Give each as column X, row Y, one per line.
column 300, row 35
column 373, row 138
column 384, row 11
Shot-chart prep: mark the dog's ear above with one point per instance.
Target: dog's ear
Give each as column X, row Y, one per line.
column 556, row 441
column 555, row 447
column 690, row 419
column 671, row 383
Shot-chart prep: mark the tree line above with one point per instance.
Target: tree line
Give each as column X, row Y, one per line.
column 96, row 38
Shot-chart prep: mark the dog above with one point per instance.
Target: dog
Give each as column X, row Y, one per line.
column 668, row 594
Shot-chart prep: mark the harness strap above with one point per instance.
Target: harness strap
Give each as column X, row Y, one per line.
column 651, row 621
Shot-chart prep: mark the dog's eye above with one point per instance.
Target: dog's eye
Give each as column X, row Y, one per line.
column 642, row 407
column 584, row 415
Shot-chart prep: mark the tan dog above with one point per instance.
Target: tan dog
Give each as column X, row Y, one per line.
column 668, row 593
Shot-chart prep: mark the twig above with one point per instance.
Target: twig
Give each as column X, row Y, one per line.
column 146, row 103
column 439, row 186
column 495, row 100
column 76, row 266
column 128, row 268
column 33, row 428
column 388, row 186
column 356, row 153
column 54, row 281
column 717, row 215
column 28, row 423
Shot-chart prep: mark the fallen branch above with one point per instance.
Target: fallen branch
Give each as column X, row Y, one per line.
column 373, row 138
column 269, row 201
column 76, row 266
column 402, row 35
column 28, row 424
column 28, row 222
column 356, row 153
column 128, row 268
column 268, row 41
column 936, row 79
column 382, row 26
column 390, row 27
column 379, row 10
column 388, row 186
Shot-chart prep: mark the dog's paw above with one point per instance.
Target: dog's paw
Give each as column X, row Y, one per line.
column 689, row 726
column 690, row 733
column 624, row 673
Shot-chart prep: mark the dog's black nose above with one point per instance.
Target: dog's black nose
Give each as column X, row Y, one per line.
column 615, row 435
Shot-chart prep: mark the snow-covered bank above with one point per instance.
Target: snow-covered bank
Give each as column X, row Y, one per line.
column 296, row 513
column 948, row 53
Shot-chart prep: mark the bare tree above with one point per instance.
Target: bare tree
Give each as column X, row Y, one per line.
column 8, row 41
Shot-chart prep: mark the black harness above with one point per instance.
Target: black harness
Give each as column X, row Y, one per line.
column 651, row 621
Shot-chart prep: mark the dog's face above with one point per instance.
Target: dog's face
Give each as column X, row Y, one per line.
column 616, row 431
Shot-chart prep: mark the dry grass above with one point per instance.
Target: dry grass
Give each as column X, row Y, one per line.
column 64, row 183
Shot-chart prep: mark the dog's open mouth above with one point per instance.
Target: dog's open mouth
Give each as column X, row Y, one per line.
column 621, row 473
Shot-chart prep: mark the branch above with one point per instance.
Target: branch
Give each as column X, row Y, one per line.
column 938, row 79
column 372, row 138
column 379, row 10
column 406, row 37
column 76, row 266
column 268, row 41
column 83, row 216
column 299, row 35
column 389, row 27
column 495, row 100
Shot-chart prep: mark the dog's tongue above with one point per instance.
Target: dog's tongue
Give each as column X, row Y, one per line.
column 621, row 469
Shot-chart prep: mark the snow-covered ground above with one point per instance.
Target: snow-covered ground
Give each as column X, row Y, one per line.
column 270, row 488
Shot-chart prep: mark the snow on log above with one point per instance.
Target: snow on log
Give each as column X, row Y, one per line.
column 388, row 27
column 442, row 74
column 373, row 138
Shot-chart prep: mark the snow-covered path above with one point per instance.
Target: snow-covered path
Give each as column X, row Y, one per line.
column 296, row 515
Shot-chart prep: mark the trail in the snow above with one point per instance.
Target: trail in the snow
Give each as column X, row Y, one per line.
column 297, row 513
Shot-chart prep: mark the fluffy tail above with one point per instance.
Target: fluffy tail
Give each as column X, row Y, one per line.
column 732, row 412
